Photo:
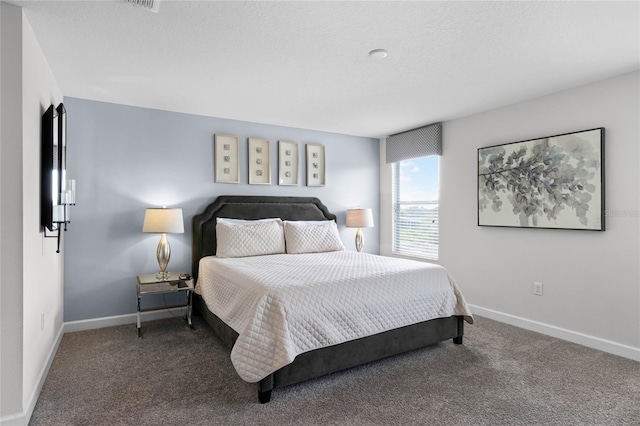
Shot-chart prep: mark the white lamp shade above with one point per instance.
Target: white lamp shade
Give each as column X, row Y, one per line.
column 359, row 218
column 163, row 220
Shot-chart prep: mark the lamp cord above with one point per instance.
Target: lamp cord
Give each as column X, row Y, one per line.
column 183, row 308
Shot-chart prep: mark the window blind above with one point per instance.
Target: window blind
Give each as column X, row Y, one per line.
column 420, row 142
column 415, row 224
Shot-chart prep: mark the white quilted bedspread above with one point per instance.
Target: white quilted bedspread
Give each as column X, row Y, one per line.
column 283, row 305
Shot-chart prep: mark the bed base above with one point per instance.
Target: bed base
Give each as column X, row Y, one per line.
column 346, row 355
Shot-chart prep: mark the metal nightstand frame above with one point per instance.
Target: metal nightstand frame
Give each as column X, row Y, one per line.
column 149, row 284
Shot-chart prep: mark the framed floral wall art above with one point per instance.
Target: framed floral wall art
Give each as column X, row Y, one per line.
column 554, row 182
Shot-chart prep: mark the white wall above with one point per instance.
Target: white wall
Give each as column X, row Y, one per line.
column 43, row 267
column 591, row 279
column 31, row 271
column 11, row 213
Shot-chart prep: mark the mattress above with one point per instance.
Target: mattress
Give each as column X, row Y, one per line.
column 286, row 304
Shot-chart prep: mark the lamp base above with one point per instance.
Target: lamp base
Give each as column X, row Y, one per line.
column 359, row 240
column 162, row 275
column 163, row 254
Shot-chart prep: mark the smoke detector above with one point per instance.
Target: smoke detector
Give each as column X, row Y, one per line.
column 150, row 5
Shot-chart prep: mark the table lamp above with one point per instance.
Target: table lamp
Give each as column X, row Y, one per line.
column 359, row 218
column 163, row 220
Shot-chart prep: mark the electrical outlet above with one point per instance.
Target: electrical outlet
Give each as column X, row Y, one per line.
column 537, row 289
column 42, row 322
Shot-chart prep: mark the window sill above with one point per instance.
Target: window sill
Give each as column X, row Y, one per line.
column 416, row 258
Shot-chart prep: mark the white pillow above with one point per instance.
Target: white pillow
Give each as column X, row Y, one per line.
column 312, row 237
column 230, row 221
column 253, row 239
column 310, row 222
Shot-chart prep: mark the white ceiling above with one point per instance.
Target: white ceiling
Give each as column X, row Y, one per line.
column 305, row 64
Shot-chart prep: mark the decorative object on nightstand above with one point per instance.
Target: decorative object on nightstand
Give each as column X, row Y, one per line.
column 163, row 220
column 172, row 282
column 359, row 218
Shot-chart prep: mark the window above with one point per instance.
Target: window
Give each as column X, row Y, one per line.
column 415, row 207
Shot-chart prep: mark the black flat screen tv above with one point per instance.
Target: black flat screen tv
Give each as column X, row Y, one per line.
column 53, row 192
column 49, row 171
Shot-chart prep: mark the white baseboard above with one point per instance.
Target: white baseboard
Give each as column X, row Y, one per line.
column 44, row 372
column 91, row 324
column 560, row 333
column 23, row 418
column 13, row 420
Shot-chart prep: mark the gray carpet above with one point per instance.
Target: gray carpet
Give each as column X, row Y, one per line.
column 502, row 375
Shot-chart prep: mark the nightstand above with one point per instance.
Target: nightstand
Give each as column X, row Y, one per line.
column 149, row 284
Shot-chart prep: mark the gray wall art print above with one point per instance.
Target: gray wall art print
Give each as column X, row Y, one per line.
column 553, row 182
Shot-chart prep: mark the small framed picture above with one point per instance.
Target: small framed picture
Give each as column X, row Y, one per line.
column 259, row 163
column 226, row 160
column 315, row 165
column 287, row 163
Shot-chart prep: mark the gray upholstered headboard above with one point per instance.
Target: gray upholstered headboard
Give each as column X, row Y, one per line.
column 249, row 207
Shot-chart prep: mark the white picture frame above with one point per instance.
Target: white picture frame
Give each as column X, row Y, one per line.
column 259, row 162
column 316, row 170
column 226, row 159
column 287, row 163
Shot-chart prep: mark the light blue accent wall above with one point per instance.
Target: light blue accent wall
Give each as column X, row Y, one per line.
column 126, row 159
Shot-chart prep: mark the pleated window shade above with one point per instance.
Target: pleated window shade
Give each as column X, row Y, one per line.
column 420, row 142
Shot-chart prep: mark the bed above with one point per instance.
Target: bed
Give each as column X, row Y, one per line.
column 306, row 360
